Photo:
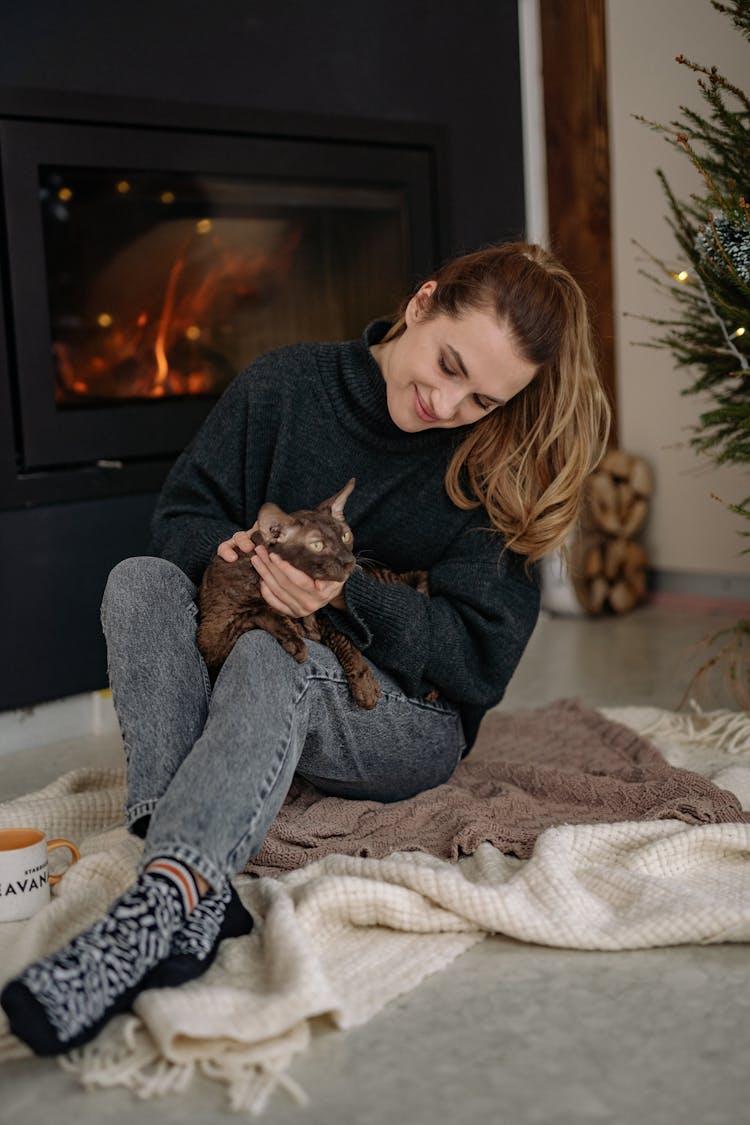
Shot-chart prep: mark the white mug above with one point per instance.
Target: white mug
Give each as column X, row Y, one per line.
column 24, row 871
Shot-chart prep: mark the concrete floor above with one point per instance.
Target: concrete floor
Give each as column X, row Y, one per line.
column 510, row 1032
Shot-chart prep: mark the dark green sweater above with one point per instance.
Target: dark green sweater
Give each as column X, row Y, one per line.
column 293, row 428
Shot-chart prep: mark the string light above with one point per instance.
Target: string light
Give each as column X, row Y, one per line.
column 740, row 331
column 123, row 187
column 743, row 361
column 65, row 194
column 193, row 332
column 167, row 197
column 683, row 275
column 104, row 320
column 203, row 226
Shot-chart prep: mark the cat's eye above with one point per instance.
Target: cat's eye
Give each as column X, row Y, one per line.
column 346, row 536
column 316, row 545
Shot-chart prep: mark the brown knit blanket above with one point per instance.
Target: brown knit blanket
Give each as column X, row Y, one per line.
column 529, row 770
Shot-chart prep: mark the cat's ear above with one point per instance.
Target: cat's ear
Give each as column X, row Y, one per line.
column 337, row 501
column 273, row 524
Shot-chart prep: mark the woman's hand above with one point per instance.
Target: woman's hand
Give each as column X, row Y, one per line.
column 291, row 591
column 230, row 549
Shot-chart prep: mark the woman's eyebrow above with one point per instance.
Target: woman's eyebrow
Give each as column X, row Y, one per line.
column 458, row 360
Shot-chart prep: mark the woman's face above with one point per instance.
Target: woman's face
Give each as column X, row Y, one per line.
column 447, row 371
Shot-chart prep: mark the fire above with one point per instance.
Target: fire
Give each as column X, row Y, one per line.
column 162, row 363
column 180, row 340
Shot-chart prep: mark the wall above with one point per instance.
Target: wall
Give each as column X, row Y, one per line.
column 401, row 59
column 689, row 532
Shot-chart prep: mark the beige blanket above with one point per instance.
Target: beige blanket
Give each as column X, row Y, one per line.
column 342, row 936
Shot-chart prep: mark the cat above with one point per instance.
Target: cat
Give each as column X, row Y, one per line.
column 317, row 541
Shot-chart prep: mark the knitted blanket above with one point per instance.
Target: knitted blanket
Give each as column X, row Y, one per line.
column 343, row 935
column 528, row 771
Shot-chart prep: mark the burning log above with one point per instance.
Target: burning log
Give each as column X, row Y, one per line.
column 608, row 568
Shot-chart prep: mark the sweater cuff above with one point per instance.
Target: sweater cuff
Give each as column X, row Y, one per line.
column 384, row 618
column 350, row 622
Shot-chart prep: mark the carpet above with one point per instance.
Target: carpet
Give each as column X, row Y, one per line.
column 340, row 936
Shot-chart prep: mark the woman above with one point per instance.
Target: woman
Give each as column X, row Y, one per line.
column 470, row 423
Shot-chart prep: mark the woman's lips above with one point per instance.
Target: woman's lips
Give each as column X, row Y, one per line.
column 421, row 410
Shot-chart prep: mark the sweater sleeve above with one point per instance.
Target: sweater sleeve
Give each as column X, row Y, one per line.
column 465, row 639
column 204, row 498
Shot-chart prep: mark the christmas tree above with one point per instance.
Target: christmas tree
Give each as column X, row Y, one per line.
column 710, row 332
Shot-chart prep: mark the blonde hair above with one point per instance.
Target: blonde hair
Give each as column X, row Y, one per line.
column 527, row 461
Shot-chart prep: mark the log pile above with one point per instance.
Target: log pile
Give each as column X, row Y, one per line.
column 608, row 565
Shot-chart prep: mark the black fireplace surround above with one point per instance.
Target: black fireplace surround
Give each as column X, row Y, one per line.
column 106, row 444
column 109, row 361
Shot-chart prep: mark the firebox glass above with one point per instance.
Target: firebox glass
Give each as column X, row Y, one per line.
column 167, row 284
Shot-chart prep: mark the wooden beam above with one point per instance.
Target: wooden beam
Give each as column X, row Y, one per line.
column 574, row 62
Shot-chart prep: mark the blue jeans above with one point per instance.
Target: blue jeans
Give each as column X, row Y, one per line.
column 211, row 768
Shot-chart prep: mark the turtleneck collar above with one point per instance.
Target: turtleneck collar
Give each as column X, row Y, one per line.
column 359, row 397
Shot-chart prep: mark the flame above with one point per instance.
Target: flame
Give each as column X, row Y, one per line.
column 162, row 364
column 178, row 345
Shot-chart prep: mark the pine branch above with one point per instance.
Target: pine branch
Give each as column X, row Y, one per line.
column 739, row 13
column 716, row 79
column 710, row 333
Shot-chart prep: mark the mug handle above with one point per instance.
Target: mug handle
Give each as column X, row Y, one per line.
column 62, row 844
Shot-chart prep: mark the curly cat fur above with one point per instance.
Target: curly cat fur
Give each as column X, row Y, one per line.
column 230, row 602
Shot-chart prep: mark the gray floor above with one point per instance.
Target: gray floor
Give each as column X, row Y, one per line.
column 509, row 1033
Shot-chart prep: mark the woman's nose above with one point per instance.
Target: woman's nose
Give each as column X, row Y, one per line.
column 446, row 401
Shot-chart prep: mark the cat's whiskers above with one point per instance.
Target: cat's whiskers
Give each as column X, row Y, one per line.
column 363, row 558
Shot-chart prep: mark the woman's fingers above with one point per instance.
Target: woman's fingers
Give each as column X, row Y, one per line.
column 226, row 551
column 285, row 589
column 279, row 589
column 241, row 541
column 289, row 590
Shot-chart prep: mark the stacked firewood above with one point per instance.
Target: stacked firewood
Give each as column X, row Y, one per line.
column 608, row 564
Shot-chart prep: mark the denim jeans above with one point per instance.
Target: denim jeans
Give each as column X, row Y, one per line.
column 211, row 768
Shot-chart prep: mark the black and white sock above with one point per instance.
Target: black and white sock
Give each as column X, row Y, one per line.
column 64, row 1000
column 216, row 917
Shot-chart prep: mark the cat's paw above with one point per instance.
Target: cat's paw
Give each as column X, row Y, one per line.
column 366, row 691
column 296, row 649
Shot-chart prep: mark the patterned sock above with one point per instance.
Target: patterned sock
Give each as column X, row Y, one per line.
column 216, row 917
column 64, row 1000
column 182, row 877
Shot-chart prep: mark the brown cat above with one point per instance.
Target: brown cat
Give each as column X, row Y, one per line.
column 317, row 541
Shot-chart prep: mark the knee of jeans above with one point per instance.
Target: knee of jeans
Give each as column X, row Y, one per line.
column 137, row 580
column 260, row 648
column 258, row 653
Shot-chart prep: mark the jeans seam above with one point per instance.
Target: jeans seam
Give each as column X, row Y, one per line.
column 449, row 710
column 207, row 688
column 324, row 677
column 192, row 610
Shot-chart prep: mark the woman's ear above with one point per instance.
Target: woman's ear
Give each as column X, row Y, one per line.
column 420, row 302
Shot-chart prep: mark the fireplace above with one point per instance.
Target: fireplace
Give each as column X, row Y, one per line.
column 162, row 286
column 147, row 262
column 149, row 251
